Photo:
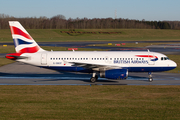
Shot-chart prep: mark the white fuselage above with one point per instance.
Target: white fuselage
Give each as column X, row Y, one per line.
column 133, row 61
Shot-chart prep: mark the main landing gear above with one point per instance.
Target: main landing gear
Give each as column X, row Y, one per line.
column 94, row 78
column 150, row 77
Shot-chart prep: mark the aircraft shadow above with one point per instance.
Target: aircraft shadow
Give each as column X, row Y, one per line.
column 53, row 77
column 66, row 76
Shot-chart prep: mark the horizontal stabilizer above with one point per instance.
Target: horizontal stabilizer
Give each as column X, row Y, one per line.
column 15, row 56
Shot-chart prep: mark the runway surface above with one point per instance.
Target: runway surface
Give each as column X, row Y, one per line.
column 22, row 74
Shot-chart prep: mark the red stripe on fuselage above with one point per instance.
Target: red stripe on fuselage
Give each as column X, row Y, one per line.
column 151, row 56
column 18, row 31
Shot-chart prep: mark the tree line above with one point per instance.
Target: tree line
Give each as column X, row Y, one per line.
column 60, row 22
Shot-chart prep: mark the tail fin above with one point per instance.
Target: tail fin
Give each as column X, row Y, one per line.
column 23, row 42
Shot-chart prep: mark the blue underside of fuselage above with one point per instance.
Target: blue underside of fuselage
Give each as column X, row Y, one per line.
column 130, row 69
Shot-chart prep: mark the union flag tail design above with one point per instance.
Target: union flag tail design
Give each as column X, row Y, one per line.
column 23, row 42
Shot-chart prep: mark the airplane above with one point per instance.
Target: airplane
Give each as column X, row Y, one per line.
column 106, row 64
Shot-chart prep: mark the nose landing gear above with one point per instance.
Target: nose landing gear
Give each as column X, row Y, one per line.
column 150, row 77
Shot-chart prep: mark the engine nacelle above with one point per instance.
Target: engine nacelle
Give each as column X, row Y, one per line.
column 114, row 74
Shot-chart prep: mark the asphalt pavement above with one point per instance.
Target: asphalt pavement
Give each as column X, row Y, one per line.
column 23, row 74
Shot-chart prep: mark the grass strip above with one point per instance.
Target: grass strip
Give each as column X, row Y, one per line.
column 55, row 35
column 90, row 102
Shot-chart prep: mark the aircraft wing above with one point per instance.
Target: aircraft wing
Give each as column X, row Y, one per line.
column 95, row 67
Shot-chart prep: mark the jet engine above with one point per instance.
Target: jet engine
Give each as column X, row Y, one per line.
column 114, row 74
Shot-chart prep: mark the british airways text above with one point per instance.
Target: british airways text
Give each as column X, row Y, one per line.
column 130, row 62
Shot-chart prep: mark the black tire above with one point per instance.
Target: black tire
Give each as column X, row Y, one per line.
column 93, row 79
column 96, row 77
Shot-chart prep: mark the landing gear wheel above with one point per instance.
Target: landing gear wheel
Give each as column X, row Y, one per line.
column 93, row 79
column 150, row 79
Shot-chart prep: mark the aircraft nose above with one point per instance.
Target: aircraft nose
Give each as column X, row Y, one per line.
column 173, row 64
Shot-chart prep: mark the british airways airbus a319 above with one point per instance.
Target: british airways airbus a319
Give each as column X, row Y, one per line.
column 106, row 64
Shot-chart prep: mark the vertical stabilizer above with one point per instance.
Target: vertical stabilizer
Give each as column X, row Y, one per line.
column 23, row 42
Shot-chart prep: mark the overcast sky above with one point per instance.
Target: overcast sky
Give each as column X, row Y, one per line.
column 132, row 9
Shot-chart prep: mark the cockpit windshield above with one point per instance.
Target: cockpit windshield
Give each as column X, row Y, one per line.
column 164, row 58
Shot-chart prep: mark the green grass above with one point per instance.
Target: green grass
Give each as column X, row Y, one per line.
column 134, row 44
column 49, row 48
column 54, row 35
column 5, row 61
column 7, row 49
column 11, row 49
column 85, row 102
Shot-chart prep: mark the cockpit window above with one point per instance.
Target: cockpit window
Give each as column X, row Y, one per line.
column 164, row 58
